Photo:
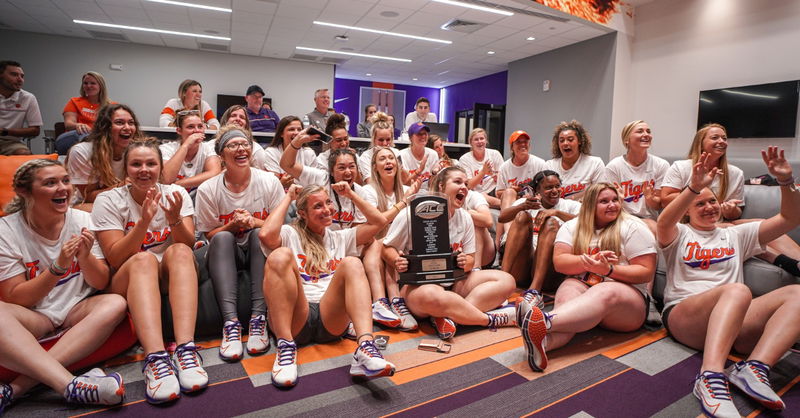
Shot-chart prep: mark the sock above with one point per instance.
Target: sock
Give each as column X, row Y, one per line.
column 789, row 264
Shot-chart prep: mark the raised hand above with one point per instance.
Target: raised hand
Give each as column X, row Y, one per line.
column 702, row 173
column 776, row 163
column 413, row 188
column 286, row 180
column 650, row 196
column 85, row 242
column 68, row 251
column 173, row 208
column 293, row 191
column 343, row 189
column 152, row 200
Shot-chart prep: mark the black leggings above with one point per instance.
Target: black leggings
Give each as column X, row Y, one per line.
column 224, row 258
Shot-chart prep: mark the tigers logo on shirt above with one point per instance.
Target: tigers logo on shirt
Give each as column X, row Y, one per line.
column 572, row 189
column 343, row 217
column 697, row 256
column 633, row 192
column 332, row 264
column 151, row 238
column 73, row 271
column 262, row 214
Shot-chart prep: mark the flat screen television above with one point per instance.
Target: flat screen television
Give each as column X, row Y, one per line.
column 759, row 111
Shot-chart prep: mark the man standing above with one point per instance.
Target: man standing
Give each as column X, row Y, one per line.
column 262, row 119
column 322, row 111
column 422, row 113
column 19, row 110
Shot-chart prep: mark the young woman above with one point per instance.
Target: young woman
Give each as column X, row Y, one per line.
column 46, row 283
column 365, row 127
column 419, row 160
column 342, row 167
column 520, row 168
column 638, row 173
column 435, row 143
column 336, row 128
column 190, row 160
column 386, row 192
column 237, row 115
column 96, row 165
column 314, row 282
column 469, row 300
column 230, row 208
column 146, row 232
column 190, row 97
column 381, row 137
column 395, row 129
column 288, row 128
column 482, row 165
column 534, row 221
column 81, row 112
column 572, row 159
column 707, row 305
column 728, row 186
column 608, row 257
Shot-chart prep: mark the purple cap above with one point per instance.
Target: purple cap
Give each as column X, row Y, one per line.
column 416, row 128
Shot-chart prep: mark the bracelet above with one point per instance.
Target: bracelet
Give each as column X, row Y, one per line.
column 174, row 224
column 610, row 270
column 396, row 207
column 292, row 144
column 57, row 270
column 786, row 182
column 691, row 189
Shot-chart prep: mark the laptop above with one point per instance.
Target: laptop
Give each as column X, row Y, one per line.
column 441, row 129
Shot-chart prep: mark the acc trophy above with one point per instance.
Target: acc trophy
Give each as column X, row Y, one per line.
column 430, row 259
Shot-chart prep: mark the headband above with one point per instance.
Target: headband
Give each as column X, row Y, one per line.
column 227, row 136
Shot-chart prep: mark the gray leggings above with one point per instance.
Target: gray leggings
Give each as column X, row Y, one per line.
column 224, row 258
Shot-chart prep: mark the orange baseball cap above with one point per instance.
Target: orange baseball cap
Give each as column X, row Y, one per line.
column 517, row 135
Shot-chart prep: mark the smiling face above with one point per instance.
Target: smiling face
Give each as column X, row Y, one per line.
column 340, row 139
column 704, row 212
column 521, row 146
column 549, row 190
column 438, row 146
column 292, row 129
column 318, row 211
column 238, row 118
column 639, row 138
column 385, row 163
column 90, row 86
column 51, row 190
column 322, row 100
column 12, row 78
column 237, row 153
column 190, row 125
column 383, row 138
column 344, row 169
column 478, row 142
column 192, row 96
column 143, row 167
column 420, row 139
column 422, row 109
column 123, row 127
column 607, row 208
column 568, row 144
column 715, row 142
column 370, row 112
column 254, row 101
column 455, row 188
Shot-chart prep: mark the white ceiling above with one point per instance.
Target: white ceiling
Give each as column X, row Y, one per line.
column 273, row 28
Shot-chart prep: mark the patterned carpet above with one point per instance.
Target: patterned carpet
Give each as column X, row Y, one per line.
column 599, row 374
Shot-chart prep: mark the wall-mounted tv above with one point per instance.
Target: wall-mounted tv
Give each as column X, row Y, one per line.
column 759, row 111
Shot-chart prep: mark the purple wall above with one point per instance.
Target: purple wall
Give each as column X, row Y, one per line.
column 490, row 89
column 349, row 89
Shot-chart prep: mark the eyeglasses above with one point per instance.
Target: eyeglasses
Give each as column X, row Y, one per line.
column 237, row 145
column 189, row 112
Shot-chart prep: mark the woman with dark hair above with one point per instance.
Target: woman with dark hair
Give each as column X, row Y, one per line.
column 288, row 128
column 190, row 97
column 146, row 231
column 435, row 143
column 336, row 128
column 365, row 127
column 96, row 165
column 81, row 112
column 191, row 159
column 533, row 222
column 47, row 282
column 573, row 159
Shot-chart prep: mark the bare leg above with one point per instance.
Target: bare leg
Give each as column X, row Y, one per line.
column 137, row 281
column 374, row 267
column 770, row 326
column 347, row 293
column 484, row 247
column 283, row 290
column 543, row 274
column 517, row 256
column 508, row 197
column 177, row 267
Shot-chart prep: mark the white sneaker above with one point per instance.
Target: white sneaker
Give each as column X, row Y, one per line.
column 258, row 339
column 368, row 362
column 230, row 349
column 714, row 395
column 159, row 377
column 95, row 388
column 534, row 298
column 752, row 378
column 382, row 313
column 189, row 365
column 284, row 370
column 407, row 321
column 502, row 317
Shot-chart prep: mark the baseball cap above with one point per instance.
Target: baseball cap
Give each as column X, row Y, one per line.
column 517, row 135
column 417, row 127
column 254, row 89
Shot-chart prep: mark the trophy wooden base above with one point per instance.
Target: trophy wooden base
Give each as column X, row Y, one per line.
column 431, row 269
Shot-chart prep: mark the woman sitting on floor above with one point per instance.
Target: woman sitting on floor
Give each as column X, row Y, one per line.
column 608, row 256
column 191, row 159
column 50, row 265
column 707, row 305
column 146, row 232
column 482, row 165
column 315, row 284
column 468, row 301
column 381, row 137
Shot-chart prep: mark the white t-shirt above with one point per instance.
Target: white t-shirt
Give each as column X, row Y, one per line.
column 79, row 167
column 258, row 157
column 698, row 261
column 115, row 210
column 461, row 230
column 347, row 213
column 174, row 105
column 371, row 196
column 631, row 179
column 339, row 245
column 413, row 118
column 412, row 165
column 636, row 240
column 511, row 175
column 680, row 172
column 365, row 161
column 196, row 165
column 272, row 160
column 472, row 166
column 24, row 251
column 569, row 206
column 474, row 200
column 587, row 171
column 216, row 203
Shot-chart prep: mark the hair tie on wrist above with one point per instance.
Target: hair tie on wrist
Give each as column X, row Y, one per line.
column 57, row 270
column 785, row 183
column 610, row 270
column 692, row 190
column 174, row 224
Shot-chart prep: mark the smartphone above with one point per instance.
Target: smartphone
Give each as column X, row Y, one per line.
column 323, row 137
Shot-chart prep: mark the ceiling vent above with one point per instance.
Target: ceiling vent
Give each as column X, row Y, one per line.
column 331, row 60
column 213, row 47
column 303, row 57
column 109, row 36
column 463, row 26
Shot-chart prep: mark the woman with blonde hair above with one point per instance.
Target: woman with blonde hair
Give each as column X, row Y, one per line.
column 482, row 165
column 81, row 112
column 608, row 257
column 381, row 134
column 573, row 159
column 190, row 97
column 50, row 269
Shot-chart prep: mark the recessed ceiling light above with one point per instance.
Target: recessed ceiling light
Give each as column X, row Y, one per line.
column 382, row 32
column 305, row 48
column 389, row 13
column 476, row 7
column 490, row 52
column 530, row 38
column 414, row 79
column 199, row 6
column 168, row 32
column 369, row 74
